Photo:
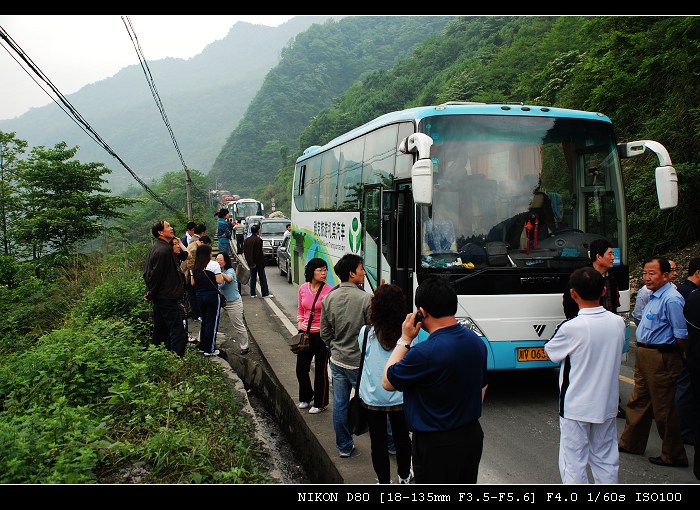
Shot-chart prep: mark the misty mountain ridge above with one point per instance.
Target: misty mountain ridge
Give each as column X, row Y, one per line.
column 204, row 98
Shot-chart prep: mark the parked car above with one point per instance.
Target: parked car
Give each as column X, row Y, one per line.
column 272, row 234
column 284, row 259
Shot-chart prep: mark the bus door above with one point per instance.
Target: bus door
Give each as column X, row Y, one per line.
column 397, row 237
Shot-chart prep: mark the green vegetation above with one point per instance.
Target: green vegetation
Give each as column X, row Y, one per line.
column 85, row 398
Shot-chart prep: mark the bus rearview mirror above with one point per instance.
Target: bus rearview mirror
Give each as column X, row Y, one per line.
column 422, row 181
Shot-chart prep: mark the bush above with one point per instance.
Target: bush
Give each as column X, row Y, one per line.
column 87, row 400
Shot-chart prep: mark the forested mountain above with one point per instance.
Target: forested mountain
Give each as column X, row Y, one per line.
column 204, row 98
column 314, row 72
column 640, row 71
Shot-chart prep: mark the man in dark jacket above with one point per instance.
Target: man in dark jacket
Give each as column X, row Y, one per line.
column 253, row 251
column 602, row 258
column 165, row 288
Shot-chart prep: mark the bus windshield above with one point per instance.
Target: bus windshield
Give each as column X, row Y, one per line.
column 248, row 208
column 518, row 191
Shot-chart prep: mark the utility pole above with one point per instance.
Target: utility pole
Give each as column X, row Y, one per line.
column 188, row 188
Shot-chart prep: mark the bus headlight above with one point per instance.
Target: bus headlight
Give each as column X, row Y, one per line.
column 469, row 324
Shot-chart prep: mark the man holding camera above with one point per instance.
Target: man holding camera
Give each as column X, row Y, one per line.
column 165, row 288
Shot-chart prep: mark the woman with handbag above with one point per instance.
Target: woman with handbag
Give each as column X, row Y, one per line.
column 387, row 314
column 234, row 303
column 309, row 320
column 206, row 276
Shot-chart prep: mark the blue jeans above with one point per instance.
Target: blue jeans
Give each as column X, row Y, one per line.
column 343, row 382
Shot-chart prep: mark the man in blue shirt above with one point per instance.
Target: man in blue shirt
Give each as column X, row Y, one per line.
column 443, row 380
column 660, row 355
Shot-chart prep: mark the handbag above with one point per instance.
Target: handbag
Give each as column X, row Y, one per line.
column 300, row 342
column 222, row 298
column 242, row 271
column 357, row 414
column 185, row 307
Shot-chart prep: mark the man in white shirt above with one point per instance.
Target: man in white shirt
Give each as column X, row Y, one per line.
column 589, row 348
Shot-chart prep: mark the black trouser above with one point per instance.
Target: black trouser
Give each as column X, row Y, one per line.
column 319, row 393
column 379, row 440
column 239, row 243
column 167, row 326
column 695, row 390
column 192, row 295
column 450, row 456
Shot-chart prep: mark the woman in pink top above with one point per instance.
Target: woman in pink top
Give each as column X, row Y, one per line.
column 315, row 275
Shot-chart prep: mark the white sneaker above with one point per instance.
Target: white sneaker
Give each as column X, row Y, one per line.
column 303, row 405
column 407, row 479
column 345, row 455
column 316, row 410
column 215, row 353
column 269, row 295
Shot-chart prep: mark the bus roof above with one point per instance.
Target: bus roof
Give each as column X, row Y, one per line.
column 455, row 108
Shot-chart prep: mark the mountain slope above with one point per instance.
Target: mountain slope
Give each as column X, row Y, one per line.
column 314, row 71
column 204, row 99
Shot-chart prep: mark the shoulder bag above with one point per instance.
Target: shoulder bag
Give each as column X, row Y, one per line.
column 242, row 270
column 222, row 301
column 300, row 342
column 357, row 417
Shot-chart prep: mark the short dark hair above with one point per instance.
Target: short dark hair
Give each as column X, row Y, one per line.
column 587, row 282
column 437, row 296
column 157, row 228
column 664, row 263
column 255, row 228
column 347, row 264
column 311, row 266
column 598, row 247
column 190, row 225
column 693, row 266
column 205, row 239
column 200, row 229
column 223, row 213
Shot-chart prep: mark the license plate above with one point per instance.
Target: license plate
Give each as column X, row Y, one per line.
column 532, row 354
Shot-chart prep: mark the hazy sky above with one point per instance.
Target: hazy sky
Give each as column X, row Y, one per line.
column 76, row 50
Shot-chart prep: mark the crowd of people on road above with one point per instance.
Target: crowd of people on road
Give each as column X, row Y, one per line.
column 184, row 281
column 422, row 394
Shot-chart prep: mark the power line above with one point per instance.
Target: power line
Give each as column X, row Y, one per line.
column 70, row 110
column 159, row 103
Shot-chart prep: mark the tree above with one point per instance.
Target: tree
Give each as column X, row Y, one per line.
column 64, row 200
column 11, row 148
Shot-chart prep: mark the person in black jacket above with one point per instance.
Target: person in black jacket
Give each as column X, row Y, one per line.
column 602, row 258
column 165, row 288
column 254, row 256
